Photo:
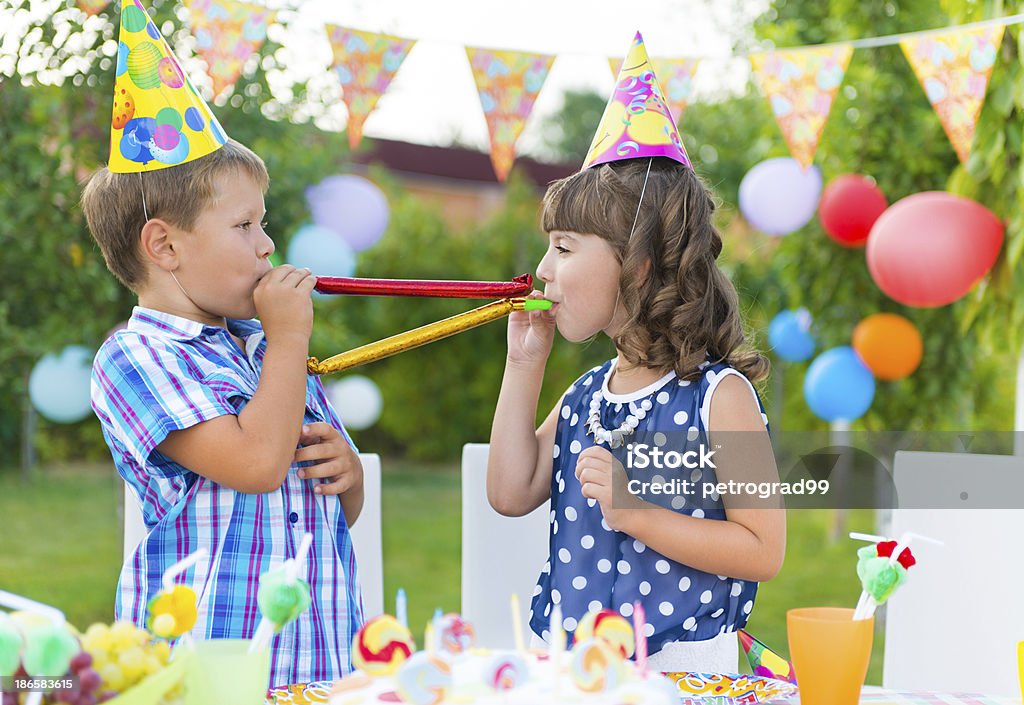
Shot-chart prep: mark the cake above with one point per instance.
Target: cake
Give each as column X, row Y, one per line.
column 594, row 672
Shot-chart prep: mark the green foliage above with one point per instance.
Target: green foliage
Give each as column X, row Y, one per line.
column 568, row 133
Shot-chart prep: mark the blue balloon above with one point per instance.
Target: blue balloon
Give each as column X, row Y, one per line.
column 790, row 336
column 778, row 196
column 59, row 385
column 838, row 386
column 322, row 251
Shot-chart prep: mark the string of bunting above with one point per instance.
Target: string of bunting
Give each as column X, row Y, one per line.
column 953, row 64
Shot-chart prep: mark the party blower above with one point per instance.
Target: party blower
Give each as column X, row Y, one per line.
column 513, row 293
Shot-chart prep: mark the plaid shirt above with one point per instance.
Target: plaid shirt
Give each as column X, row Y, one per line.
column 165, row 373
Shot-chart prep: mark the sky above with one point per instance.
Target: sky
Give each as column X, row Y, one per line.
column 433, row 99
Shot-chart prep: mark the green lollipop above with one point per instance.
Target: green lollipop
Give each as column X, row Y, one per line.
column 49, row 649
column 10, row 646
column 282, row 600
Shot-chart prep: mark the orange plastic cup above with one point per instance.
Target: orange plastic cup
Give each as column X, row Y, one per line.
column 830, row 654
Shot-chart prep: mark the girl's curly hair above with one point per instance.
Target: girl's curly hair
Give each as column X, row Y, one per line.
column 680, row 306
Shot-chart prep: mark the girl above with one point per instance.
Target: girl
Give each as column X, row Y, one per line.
column 645, row 276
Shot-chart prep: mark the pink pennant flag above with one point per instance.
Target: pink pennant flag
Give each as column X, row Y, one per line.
column 676, row 77
column 953, row 68
column 801, row 84
column 365, row 64
column 92, row 7
column 508, row 83
column 227, row 33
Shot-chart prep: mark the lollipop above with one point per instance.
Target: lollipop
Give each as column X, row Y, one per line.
column 609, row 626
column 456, row 634
column 882, row 568
column 11, row 644
column 172, row 613
column 424, row 679
column 506, row 672
column 596, row 666
column 282, row 596
column 381, row 646
column 41, row 635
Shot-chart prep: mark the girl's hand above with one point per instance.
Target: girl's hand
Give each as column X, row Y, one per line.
column 335, row 460
column 603, row 478
column 531, row 334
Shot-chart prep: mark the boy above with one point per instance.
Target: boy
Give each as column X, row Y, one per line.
column 211, row 418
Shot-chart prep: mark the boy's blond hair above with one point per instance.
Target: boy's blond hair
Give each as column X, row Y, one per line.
column 177, row 194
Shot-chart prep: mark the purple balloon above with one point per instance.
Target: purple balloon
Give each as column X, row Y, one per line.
column 778, row 196
column 351, row 206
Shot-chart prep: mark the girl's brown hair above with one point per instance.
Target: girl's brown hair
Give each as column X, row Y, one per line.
column 178, row 194
column 683, row 308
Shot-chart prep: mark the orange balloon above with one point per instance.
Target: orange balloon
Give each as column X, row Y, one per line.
column 889, row 345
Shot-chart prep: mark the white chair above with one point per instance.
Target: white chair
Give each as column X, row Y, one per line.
column 500, row 555
column 955, row 625
column 366, row 535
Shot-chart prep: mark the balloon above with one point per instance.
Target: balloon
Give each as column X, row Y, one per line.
column 357, row 400
column 889, row 345
column 352, row 207
column 779, row 196
column 838, row 386
column 790, row 337
column 849, row 207
column 322, row 251
column 931, row 248
column 59, row 384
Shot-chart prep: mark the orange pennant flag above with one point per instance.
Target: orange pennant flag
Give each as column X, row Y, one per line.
column 365, row 64
column 801, row 84
column 227, row 33
column 508, row 83
column 676, row 76
column 954, row 68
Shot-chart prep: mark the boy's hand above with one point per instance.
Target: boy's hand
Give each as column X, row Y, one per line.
column 284, row 303
column 334, row 457
column 603, row 478
column 531, row 334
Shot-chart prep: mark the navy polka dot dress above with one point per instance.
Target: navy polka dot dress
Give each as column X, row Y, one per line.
column 592, row 567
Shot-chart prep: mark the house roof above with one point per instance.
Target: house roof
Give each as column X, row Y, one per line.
column 457, row 163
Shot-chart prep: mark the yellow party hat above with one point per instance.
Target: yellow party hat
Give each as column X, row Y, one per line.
column 159, row 119
column 636, row 122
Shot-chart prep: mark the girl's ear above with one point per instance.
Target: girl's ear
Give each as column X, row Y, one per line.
column 159, row 244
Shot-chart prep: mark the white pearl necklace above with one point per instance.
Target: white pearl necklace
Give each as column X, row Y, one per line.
column 615, row 437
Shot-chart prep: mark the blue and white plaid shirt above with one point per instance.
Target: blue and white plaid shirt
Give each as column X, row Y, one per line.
column 165, row 373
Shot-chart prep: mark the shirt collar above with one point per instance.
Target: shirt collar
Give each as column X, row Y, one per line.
column 148, row 320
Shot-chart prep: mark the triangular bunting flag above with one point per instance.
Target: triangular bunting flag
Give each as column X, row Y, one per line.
column 227, row 33
column 763, row 661
column 159, row 119
column 954, row 68
column 636, row 122
column 92, row 7
column 676, row 78
column 800, row 84
column 365, row 63
column 508, row 83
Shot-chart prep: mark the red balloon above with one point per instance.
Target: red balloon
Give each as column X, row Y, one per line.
column 849, row 207
column 931, row 248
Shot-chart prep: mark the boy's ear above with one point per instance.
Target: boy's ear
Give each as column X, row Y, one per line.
column 159, row 245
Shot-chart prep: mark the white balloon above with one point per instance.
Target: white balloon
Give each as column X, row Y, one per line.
column 357, row 400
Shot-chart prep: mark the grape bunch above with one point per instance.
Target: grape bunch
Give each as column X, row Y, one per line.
column 121, row 656
column 87, row 683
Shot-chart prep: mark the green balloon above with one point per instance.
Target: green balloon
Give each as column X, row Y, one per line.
column 169, row 116
column 49, row 650
column 133, row 19
column 143, row 63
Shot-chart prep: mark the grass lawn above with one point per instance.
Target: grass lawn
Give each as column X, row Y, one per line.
column 60, row 543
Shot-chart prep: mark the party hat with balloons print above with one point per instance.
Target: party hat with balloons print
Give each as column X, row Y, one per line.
column 636, row 122
column 159, row 119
